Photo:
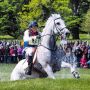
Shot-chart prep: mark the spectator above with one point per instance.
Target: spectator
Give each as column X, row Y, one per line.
column 78, row 53
column 6, row 56
column 83, row 61
column 16, row 55
column 2, row 53
column 12, row 54
column 19, row 51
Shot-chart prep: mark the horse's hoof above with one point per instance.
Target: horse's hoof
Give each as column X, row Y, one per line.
column 76, row 75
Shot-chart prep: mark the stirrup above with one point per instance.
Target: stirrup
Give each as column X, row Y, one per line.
column 29, row 73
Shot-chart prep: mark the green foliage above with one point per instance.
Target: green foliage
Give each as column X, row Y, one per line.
column 85, row 26
column 40, row 10
column 9, row 19
column 15, row 15
column 79, row 8
column 72, row 21
column 61, row 6
column 6, row 37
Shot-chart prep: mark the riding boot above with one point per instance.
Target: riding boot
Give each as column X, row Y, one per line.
column 30, row 64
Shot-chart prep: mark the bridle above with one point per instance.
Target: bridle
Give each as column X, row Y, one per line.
column 53, row 34
column 58, row 30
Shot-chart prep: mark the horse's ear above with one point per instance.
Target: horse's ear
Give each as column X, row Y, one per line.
column 53, row 13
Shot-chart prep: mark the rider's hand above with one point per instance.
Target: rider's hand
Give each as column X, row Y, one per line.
column 38, row 36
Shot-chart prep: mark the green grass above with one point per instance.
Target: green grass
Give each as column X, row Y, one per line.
column 47, row 84
column 5, row 37
column 63, row 81
column 82, row 36
column 5, row 70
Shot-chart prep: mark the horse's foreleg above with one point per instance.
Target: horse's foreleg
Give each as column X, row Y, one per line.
column 48, row 70
column 72, row 68
column 64, row 64
column 74, row 71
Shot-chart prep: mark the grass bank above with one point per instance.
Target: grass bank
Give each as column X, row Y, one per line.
column 63, row 81
column 47, row 84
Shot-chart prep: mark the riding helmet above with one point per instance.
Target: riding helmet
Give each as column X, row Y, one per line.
column 32, row 24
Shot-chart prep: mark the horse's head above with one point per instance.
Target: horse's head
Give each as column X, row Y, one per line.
column 59, row 25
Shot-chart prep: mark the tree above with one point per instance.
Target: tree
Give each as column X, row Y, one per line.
column 40, row 10
column 15, row 15
column 85, row 26
column 79, row 8
column 9, row 18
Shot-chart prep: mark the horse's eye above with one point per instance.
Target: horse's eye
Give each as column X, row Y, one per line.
column 58, row 23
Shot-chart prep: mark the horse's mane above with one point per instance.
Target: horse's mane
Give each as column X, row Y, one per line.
column 51, row 19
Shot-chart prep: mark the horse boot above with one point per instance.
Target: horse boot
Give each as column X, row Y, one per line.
column 30, row 64
column 76, row 74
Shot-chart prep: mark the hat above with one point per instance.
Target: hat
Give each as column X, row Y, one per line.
column 32, row 24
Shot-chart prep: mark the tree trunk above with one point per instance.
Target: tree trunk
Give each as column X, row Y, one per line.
column 75, row 33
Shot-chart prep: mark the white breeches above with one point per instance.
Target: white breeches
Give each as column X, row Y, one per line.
column 29, row 51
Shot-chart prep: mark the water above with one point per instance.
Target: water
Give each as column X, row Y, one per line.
column 64, row 73
column 6, row 69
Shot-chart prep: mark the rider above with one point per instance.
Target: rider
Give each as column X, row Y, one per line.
column 30, row 35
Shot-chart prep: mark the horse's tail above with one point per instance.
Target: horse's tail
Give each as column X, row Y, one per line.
column 35, row 57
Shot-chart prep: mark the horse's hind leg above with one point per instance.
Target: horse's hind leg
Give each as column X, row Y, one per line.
column 48, row 70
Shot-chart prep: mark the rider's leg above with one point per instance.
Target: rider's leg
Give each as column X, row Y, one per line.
column 30, row 64
column 30, row 52
column 29, row 58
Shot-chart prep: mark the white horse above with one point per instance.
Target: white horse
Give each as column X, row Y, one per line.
column 47, row 57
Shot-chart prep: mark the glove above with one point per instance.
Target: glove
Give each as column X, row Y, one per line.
column 38, row 36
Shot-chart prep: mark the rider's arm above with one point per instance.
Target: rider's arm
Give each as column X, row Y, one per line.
column 26, row 36
column 39, row 35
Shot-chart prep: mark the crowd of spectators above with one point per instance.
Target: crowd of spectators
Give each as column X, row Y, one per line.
column 12, row 52
column 81, row 49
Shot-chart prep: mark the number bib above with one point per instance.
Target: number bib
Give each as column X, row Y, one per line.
column 33, row 40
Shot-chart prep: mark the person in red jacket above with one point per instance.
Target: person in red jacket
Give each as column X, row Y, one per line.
column 83, row 61
column 12, row 53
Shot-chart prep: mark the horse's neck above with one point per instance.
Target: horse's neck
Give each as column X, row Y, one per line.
column 46, row 38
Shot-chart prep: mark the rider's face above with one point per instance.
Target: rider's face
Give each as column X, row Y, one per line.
column 34, row 28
